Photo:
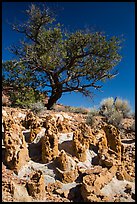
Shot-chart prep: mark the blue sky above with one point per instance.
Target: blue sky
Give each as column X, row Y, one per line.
column 113, row 18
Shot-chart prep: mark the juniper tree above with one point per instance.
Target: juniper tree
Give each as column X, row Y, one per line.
column 58, row 61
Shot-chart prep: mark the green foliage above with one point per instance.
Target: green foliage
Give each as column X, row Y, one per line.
column 52, row 59
column 25, row 97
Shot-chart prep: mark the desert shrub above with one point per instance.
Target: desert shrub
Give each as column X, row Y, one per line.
column 115, row 118
column 72, row 109
column 106, row 104
column 91, row 117
column 80, row 110
column 114, row 110
column 123, row 107
column 37, row 107
column 133, row 115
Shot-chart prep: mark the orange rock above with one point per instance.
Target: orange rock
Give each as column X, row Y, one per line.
column 81, row 139
column 16, row 152
column 66, row 168
column 50, row 141
column 36, row 185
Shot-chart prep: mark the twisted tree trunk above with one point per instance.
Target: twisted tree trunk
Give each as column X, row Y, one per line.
column 55, row 95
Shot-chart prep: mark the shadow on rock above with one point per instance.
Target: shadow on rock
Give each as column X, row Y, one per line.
column 75, row 194
column 67, row 146
column 35, row 152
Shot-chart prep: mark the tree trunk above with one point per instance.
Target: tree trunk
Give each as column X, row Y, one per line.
column 56, row 94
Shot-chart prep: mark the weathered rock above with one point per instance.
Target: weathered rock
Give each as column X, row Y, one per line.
column 16, row 152
column 4, row 113
column 94, row 182
column 65, row 162
column 109, row 147
column 81, row 139
column 13, row 188
column 113, row 140
column 128, row 188
column 128, row 161
column 84, row 149
column 36, row 185
column 33, row 123
column 63, row 126
column 29, row 120
column 122, row 174
column 52, row 187
column 66, row 168
column 50, row 141
column 67, row 176
column 7, row 190
column 21, row 194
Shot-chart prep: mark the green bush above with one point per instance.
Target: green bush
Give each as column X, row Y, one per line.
column 25, row 97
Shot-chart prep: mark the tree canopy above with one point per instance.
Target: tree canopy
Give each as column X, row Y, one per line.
column 57, row 61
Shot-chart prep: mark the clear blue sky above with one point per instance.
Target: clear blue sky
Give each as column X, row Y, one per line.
column 113, row 18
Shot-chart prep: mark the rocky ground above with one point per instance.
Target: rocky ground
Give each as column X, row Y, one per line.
column 56, row 157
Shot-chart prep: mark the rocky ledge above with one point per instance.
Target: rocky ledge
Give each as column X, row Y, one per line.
column 57, row 157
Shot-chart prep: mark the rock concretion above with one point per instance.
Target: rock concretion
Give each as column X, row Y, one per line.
column 63, row 126
column 113, row 139
column 50, row 140
column 36, row 185
column 111, row 153
column 70, row 161
column 66, row 168
column 34, row 123
column 94, row 181
column 16, row 152
column 82, row 137
column 110, row 147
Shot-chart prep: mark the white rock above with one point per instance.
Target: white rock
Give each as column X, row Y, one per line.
column 39, row 135
column 60, row 116
column 49, row 179
column 65, row 115
column 4, row 113
column 21, row 194
column 21, row 115
column 65, row 137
